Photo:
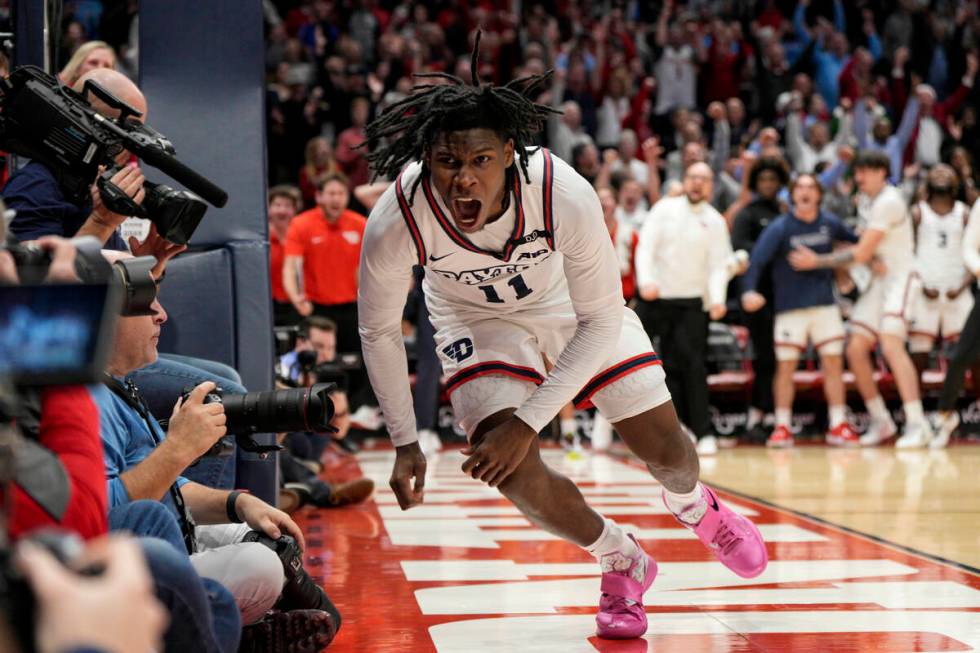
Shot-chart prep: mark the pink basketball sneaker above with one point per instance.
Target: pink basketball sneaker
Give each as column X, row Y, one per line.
column 733, row 539
column 624, row 581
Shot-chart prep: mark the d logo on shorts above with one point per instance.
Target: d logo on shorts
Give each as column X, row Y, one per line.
column 459, row 350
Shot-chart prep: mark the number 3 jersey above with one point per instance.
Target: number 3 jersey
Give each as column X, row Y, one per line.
column 939, row 246
column 549, row 250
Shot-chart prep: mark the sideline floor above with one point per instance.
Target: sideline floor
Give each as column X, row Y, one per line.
column 467, row 573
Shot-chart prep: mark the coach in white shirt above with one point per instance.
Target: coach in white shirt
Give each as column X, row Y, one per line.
column 682, row 271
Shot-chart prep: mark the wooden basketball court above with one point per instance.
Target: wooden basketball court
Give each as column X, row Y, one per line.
column 870, row 550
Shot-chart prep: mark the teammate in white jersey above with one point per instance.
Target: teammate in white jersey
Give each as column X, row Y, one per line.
column 944, row 303
column 966, row 354
column 519, row 269
column 881, row 311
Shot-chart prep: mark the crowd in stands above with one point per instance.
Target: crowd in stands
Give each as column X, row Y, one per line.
column 759, row 92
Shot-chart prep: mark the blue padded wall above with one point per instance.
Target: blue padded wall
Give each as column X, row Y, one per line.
column 200, row 314
column 201, row 69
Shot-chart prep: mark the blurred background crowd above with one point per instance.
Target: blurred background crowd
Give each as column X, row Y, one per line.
column 646, row 89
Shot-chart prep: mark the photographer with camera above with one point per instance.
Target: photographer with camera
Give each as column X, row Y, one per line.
column 59, row 482
column 64, row 420
column 45, row 208
column 314, row 359
column 46, row 205
column 247, row 545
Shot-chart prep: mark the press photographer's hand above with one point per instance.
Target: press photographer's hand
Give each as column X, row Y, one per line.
column 115, row 611
column 62, row 251
column 158, row 247
column 61, row 269
column 130, row 181
column 8, row 269
column 194, row 425
column 264, row 518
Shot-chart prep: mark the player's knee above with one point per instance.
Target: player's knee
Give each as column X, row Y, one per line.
column 892, row 345
column 858, row 347
column 832, row 363
column 489, row 423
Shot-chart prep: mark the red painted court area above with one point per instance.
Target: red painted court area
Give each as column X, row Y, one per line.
column 466, row 573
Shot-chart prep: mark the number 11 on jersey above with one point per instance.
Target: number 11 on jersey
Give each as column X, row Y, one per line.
column 517, row 283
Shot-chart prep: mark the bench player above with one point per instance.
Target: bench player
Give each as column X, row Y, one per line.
column 881, row 311
column 519, row 268
column 945, row 301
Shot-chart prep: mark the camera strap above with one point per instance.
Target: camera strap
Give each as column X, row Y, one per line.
column 131, row 395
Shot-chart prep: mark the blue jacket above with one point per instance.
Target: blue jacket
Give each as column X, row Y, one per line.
column 791, row 289
column 42, row 208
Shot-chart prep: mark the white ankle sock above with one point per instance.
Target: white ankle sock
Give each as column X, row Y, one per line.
column 784, row 417
column 678, row 503
column 913, row 412
column 877, row 409
column 568, row 426
column 612, row 539
column 836, row 415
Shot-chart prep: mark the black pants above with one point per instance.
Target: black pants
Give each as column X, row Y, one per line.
column 348, row 340
column 285, row 314
column 965, row 355
column 761, row 325
column 345, row 316
column 681, row 325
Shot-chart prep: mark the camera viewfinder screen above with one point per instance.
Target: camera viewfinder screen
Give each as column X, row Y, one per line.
column 51, row 333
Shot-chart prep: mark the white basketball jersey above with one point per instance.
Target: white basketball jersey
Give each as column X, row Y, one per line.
column 939, row 246
column 888, row 212
column 459, row 274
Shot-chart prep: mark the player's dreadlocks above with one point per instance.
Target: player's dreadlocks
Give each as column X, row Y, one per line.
column 413, row 123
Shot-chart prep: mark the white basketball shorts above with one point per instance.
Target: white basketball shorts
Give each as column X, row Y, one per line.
column 495, row 363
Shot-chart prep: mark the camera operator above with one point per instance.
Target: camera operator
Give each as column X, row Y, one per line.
column 239, row 546
column 41, row 203
column 65, row 422
column 299, row 463
column 43, row 208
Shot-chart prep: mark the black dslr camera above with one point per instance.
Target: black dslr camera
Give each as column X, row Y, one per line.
column 133, row 288
column 42, row 119
column 276, row 411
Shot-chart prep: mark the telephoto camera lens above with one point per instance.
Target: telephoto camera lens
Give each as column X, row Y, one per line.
column 295, row 409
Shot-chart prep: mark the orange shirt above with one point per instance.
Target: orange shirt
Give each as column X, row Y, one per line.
column 331, row 253
column 277, row 256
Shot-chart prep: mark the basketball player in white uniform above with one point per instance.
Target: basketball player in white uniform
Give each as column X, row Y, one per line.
column 519, row 269
column 881, row 312
column 944, row 303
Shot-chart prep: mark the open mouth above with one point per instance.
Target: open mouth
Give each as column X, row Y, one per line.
column 466, row 211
